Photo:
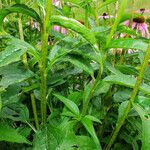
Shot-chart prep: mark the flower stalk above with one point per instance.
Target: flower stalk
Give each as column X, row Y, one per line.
column 132, row 98
column 43, row 61
column 25, row 62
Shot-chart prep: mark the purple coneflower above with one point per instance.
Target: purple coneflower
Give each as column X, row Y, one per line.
column 139, row 25
column 57, row 28
column 105, row 16
column 57, row 3
column 142, row 11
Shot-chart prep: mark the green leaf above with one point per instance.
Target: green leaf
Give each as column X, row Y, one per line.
column 122, row 109
column 92, row 118
column 15, row 49
column 102, row 87
column 15, row 112
column 69, row 104
column 89, row 127
column 107, row 2
column 127, row 30
column 128, row 43
column 80, row 62
column 76, row 26
column 122, row 95
column 12, row 74
column 128, row 81
column 10, row 54
column 60, row 137
column 10, row 134
column 145, row 117
column 18, row 8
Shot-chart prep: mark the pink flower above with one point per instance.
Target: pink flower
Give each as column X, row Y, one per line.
column 139, row 25
column 60, row 29
column 142, row 11
column 63, row 30
column 56, row 28
column 57, row 3
column 105, row 16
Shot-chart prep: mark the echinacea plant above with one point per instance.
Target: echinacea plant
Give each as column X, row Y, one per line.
column 67, row 91
column 139, row 25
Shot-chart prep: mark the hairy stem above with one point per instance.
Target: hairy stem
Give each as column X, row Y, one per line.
column 133, row 95
column 117, row 20
column 25, row 62
column 43, row 62
column 87, row 101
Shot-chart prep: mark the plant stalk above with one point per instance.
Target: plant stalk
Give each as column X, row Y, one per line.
column 117, row 20
column 87, row 101
column 43, row 62
column 25, row 62
column 132, row 98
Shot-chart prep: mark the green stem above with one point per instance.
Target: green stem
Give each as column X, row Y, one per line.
column 87, row 101
column 25, row 62
column 133, row 95
column 86, row 17
column 43, row 62
column 117, row 20
column 1, row 4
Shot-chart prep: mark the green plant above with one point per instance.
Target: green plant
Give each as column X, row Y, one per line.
column 74, row 89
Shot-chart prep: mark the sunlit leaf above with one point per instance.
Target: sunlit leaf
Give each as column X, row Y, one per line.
column 128, row 43
column 128, row 81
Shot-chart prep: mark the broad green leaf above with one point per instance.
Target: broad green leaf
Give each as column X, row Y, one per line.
column 145, row 117
column 11, row 95
column 128, row 43
column 81, row 63
column 127, row 69
column 60, row 137
column 15, row 49
column 112, row 69
column 12, row 74
column 102, row 87
column 69, row 104
column 76, row 26
column 122, row 95
column 87, row 123
column 65, row 46
column 15, row 112
column 10, row 54
column 10, row 134
column 128, row 81
column 18, row 8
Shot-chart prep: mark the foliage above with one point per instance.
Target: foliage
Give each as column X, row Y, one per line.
column 71, row 78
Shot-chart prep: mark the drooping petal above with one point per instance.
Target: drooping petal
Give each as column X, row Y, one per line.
column 56, row 28
column 126, row 23
column 63, row 30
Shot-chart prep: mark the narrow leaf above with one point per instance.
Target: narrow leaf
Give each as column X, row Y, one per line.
column 128, row 81
column 69, row 104
column 89, row 127
column 75, row 26
column 128, row 43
